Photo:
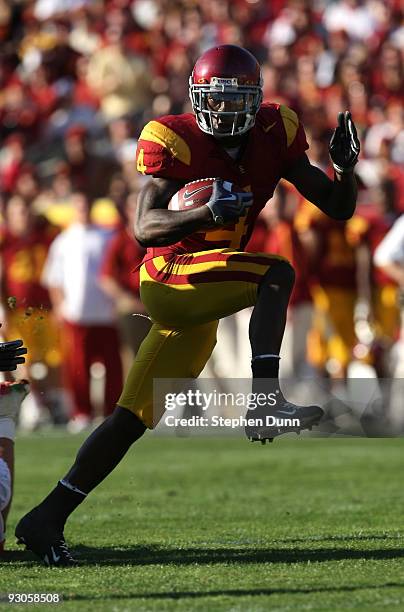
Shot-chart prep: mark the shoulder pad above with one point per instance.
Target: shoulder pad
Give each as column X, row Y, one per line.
column 290, row 122
column 163, row 133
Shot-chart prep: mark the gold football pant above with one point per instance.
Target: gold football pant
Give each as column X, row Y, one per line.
column 186, row 295
column 333, row 334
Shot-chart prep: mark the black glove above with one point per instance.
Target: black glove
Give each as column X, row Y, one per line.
column 225, row 205
column 344, row 144
column 10, row 355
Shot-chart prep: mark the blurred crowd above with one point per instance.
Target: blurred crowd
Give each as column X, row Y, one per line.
column 80, row 78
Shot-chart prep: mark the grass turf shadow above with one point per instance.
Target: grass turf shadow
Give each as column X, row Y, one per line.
column 176, row 595
column 156, row 555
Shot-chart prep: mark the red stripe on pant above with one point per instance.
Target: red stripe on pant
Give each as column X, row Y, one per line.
column 195, row 278
column 82, row 346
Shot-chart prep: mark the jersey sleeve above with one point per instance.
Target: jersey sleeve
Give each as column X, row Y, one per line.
column 296, row 143
column 391, row 248
column 162, row 152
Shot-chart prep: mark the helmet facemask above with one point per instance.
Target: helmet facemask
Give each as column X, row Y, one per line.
column 224, row 107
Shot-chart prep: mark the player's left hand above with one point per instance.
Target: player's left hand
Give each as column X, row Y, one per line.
column 11, row 354
column 344, row 144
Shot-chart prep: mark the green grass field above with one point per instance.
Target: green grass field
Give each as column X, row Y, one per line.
column 223, row 524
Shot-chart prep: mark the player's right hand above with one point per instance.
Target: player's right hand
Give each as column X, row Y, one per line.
column 227, row 206
column 11, row 354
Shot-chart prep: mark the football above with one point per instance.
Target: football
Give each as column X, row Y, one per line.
column 196, row 194
column 192, row 195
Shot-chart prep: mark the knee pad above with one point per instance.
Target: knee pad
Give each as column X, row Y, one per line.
column 281, row 274
column 5, row 485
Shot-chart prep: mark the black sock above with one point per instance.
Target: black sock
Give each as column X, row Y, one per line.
column 97, row 457
column 265, row 375
column 60, row 503
column 265, row 367
column 268, row 319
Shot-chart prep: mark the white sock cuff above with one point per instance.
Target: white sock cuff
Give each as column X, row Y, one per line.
column 71, row 487
column 267, row 356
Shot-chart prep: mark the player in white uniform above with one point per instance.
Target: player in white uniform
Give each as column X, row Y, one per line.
column 11, row 396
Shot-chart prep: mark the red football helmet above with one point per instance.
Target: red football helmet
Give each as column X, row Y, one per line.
column 225, row 88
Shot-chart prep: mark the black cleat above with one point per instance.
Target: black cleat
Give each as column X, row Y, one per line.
column 284, row 418
column 44, row 540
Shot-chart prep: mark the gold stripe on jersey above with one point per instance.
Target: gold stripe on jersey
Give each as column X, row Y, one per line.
column 167, row 138
column 290, row 122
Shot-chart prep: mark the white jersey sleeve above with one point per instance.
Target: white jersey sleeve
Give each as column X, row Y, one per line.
column 391, row 248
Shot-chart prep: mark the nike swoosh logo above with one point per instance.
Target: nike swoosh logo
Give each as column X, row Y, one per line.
column 55, row 557
column 189, row 194
column 269, row 127
column 288, row 412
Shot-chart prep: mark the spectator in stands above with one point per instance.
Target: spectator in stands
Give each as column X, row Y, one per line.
column 88, row 172
column 118, row 77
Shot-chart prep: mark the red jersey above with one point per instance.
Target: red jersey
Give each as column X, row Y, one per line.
column 174, row 147
column 256, row 244
column 335, row 265
column 122, row 255
column 23, row 258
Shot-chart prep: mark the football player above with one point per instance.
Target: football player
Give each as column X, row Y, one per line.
column 196, row 271
column 11, row 395
column 25, row 239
